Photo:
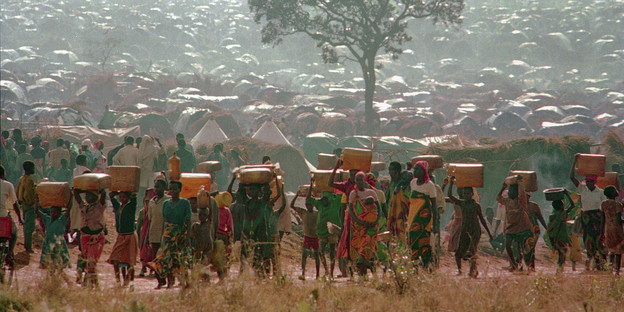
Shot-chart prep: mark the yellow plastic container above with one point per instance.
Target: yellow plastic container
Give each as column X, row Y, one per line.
column 326, row 161
column 378, row 166
column 357, row 158
column 173, row 164
column 273, row 167
column 209, row 166
column 93, row 182
column 434, row 161
column 610, row 178
column 321, row 180
column 466, row 175
column 591, row 164
column 53, row 194
column 255, row 175
column 125, row 178
column 529, row 179
column 192, row 183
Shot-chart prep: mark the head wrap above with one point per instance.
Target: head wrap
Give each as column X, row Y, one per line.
column 97, row 144
column 86, row 142
column 371, row 180
column 45, row 143
column 591, row 178
column 362, row 174
column 147, row 152
column 425, row 167
column 224, row 199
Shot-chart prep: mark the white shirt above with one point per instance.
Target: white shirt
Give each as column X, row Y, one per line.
column 7, row 197
column 590, row 200
column 127, row 156
column 428, row 188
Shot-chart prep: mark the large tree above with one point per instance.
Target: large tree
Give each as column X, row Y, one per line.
column 364, row 27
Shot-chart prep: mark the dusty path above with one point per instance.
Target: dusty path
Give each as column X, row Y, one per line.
column 28, row 272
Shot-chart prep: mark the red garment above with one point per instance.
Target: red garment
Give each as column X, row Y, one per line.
column 371, row 180
column 344, row 243
column 425, row 167
column 92, row 246
column 310, row 243
column 344, row 187
column 226, row 222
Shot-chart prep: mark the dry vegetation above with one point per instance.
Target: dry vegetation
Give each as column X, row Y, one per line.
column 425, row 293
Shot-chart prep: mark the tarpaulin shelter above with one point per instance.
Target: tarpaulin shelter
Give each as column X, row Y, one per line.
column 110, row 137
column 385, row 148
column 319, row 142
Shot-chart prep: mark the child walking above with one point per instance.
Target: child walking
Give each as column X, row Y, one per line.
column 124, row 253
column 470, row 233
column 612, row 230
column 558, row 229
column 203, row 242
column 310, row 246
column 225, row 231
column 54, row 252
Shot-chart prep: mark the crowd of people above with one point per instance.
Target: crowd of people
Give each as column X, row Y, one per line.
column 355, row 224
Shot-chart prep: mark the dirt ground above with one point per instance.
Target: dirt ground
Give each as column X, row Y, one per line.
column 28, row 272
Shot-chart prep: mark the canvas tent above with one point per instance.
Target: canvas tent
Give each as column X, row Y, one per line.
column 209, row 135
column 270, row 133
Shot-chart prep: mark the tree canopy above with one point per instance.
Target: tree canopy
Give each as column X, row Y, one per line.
column 364, row 27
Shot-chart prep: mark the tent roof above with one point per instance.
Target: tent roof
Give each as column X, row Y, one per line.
column 270, row 133
column 209, row 134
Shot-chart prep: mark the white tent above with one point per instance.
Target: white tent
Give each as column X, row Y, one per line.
column 209, row 134
column 270, row 133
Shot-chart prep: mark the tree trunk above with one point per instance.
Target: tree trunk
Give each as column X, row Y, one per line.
column 368, row 71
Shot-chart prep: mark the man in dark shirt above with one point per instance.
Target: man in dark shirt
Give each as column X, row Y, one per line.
column 221, row 176
column 187, row 159
column 38, row 154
